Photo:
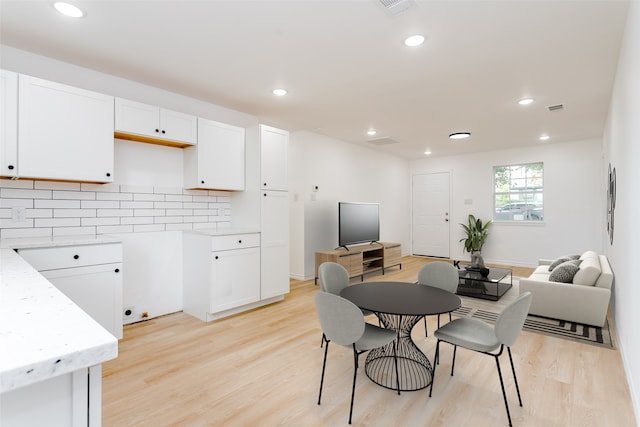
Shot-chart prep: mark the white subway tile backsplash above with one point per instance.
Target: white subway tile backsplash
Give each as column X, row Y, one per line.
column 114, row 196
column 15, row 203
column 125, row 188
column 99, row 221
column 136, row 205
column 64, row 208
column 149, row 197
column 55, row 204
column 73, row 231
column 109, row 229
column 74, row 195
column 167, row 190
column 108, row 188
column 39, row 213
column 21, row 193
column 74, row 213
column 167, row 219
column 115, row 212
column 52, row 185
column 10, row 223
column 16, row 183
column 136, row 220
column 104, row 204
column 148, row 212
column 12, row 233
column 57, row 222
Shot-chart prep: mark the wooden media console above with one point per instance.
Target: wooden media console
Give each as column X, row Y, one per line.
column 363, row 259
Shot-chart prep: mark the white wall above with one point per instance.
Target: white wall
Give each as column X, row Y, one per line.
column 622, row 151
column 573, row 201
column 342, row 172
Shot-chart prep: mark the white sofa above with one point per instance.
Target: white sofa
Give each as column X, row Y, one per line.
column 584, row 300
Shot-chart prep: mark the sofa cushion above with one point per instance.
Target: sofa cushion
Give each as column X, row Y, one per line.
column 564, row 272
column 589, row 254
column 588, row 273
column 562, row 259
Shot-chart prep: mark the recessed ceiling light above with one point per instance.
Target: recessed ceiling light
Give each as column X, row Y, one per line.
column 427, row 152
column 525, row 101
column 279, row 92
column 544, row 137
column 371, row 132
column 460, row 135
column 415, row 40
column 68, row 9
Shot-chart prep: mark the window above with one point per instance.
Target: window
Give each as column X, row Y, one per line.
column 518, row 192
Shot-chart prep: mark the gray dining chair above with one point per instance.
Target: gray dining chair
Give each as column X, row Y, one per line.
column 479, row 336
column 333, row 279
column 438, row 274
column 342, row 322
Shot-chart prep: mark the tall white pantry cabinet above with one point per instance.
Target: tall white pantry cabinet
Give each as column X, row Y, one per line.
column 265, row 204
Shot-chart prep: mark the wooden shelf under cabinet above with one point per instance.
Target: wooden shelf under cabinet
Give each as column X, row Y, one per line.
column 363, row 259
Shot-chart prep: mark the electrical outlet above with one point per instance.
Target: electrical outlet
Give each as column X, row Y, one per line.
column 18, row 214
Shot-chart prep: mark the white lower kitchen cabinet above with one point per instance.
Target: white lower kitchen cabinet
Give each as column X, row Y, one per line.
column 274, row 220
column 69, row 400
column 90, row 275
column 221, row 274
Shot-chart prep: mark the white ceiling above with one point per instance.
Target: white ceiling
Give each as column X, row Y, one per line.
column 345, row 65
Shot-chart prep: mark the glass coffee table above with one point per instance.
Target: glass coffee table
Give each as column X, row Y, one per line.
column 472, row 284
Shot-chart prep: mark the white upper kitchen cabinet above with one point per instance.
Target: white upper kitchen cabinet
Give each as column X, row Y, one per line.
column 148, row 123
column 217, row 161
column 8, row 123
column 64, row 133
column 274, row 148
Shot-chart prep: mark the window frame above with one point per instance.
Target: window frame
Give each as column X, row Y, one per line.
column 527, row 195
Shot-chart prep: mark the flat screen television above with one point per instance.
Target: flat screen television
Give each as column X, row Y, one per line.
column 358, row 223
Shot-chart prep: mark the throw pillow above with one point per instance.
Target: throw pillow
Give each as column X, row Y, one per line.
column 564, row 272
column 562, row 259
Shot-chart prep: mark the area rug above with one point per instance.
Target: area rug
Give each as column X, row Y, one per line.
column 480, row 309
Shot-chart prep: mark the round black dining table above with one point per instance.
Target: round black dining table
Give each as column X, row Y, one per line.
column 399, row 306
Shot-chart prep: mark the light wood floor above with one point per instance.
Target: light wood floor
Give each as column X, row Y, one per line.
column 262, row 368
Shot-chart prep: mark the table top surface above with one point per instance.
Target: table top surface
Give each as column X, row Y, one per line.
column 495, row 274
column 401, row 298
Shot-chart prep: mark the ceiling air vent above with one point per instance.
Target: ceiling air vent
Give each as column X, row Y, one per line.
column 382, row 141
column 557, row 107
column 396, row 7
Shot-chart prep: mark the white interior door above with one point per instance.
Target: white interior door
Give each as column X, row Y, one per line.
column 430, row 222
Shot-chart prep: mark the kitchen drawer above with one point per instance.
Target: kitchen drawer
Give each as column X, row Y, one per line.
column 52, row 258
column 235, row 241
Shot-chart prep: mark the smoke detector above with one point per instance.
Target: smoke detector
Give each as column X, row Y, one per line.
column 557, row 107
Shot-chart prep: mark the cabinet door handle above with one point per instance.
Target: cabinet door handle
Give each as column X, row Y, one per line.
column 157, row 130
column 108, row 174
column 264, row 184
column 216, row 257
column 117, row 270
column 265, row 194
column 239, row 241
column 10, row 167
column 76, row 256
column 202, row 182
column 163, row 131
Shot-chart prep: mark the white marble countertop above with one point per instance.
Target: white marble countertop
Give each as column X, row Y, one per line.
column 43, row 334
column 223, row 232
column 44, row 242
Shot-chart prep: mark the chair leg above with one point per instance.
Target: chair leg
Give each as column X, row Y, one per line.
column 438, row 321
column 425, row 326
column 355, row 375
column 433, row 375
column 324, row 338
column 515, row 379
column 453, row 362
column 504, row 394
column 324, row 363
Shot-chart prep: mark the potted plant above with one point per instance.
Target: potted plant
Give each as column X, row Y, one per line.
column 477, row 233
